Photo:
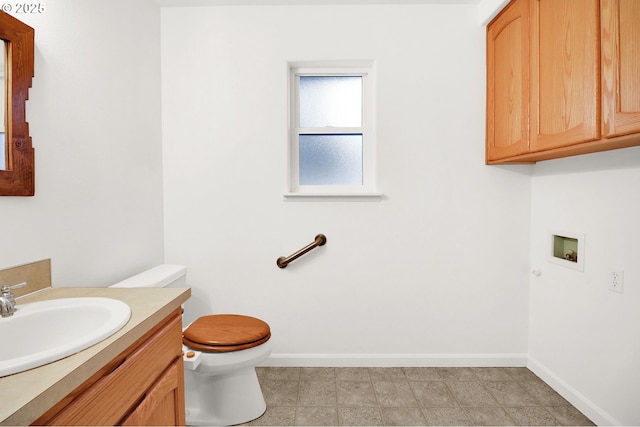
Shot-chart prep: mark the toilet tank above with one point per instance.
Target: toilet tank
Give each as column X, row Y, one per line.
column 160, row 276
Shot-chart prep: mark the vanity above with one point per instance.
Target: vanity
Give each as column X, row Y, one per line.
column 133, row 377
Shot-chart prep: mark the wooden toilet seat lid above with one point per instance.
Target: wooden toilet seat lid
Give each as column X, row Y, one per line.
column 226, row 332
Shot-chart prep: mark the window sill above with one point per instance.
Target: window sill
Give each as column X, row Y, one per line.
column 327, row 197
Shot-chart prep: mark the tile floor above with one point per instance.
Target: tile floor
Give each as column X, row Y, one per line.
column 411, row 396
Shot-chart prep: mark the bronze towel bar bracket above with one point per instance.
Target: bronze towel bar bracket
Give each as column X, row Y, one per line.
column 320, row 240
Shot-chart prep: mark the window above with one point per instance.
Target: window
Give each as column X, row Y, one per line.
column 332, row 142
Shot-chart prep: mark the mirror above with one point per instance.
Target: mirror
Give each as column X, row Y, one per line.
column 17, row 168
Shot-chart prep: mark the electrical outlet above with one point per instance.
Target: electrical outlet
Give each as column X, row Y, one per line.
column 616, row 280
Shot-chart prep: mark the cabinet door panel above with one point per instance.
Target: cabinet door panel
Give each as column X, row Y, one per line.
column 621, row 66
column 565, row 67
column 163, row 404
column 508, row 83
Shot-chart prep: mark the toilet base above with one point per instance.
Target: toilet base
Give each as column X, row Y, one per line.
column 223, row 400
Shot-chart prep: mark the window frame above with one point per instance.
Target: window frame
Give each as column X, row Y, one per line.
column 368, row 188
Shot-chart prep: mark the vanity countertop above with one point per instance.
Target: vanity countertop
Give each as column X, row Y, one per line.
column 27, row 395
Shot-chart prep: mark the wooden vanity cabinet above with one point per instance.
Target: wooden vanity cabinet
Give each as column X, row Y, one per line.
column 563, row 78
column 144, row 385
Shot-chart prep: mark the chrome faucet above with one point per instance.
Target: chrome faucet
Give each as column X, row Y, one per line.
column 8, row 300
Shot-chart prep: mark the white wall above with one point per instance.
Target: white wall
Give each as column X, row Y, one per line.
column 439, row 268
column 584, row 337
column 94, row 116
column 488, row 9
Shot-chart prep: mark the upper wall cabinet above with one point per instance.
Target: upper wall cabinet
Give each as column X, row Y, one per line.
column 563, row 78
column 620, row 32
column 508, row 82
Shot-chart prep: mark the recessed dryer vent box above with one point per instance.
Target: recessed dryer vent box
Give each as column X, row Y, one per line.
column 567, row 250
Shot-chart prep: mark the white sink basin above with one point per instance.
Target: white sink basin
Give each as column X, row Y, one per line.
column 43, row 332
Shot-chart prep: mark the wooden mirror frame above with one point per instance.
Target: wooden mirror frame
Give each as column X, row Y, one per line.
column 18, row 179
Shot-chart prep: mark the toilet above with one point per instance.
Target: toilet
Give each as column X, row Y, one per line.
column 220, row 353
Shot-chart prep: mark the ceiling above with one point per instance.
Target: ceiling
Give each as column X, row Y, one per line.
column 187, row 3
column 487, row 9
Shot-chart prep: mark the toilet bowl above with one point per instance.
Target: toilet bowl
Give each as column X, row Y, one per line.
column 220, row 352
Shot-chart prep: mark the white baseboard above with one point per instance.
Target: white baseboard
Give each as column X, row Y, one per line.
column 395, row 360
column 584, row 405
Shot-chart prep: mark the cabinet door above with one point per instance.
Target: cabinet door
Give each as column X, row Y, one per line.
column 163, row 404
column 620, row 66
column 109, row 399
column 508, row 83
column 565, row 67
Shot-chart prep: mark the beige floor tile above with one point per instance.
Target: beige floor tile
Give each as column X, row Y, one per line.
column 446, row 417
column 317, row 393
column 353, row 374
column 432, row 393
column 569, row 416
column 531, row 416
column 544, row 394
column 402, row 417
column 281, row 374
column 492, row 374
column 411, row 396
column 510, row 393
column 359, row 417
column 387, row 374
column 489, row 416
column 316, row 416
column 457, row 374
column 356, row 393
column 422, row 374
column 471, row 393
column 280, row 393
column 394, row 393
column 317, row 374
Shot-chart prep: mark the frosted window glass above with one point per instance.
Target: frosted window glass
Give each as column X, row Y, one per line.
column 331, row 159
column 330, row 101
